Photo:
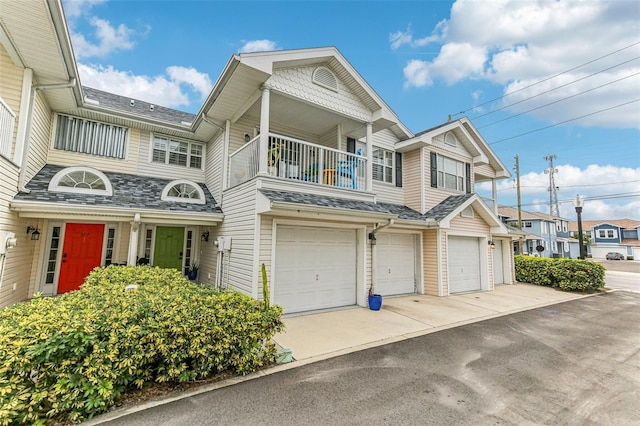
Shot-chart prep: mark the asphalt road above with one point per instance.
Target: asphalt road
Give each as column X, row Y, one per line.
column 576, row 363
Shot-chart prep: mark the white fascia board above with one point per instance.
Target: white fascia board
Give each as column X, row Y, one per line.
column 343, row 214
column 503, row 170
column 5, row 41
column 30, row 209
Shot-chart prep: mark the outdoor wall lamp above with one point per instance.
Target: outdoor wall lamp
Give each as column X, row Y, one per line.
column 247, row 138
column 491, row 244
column 372, row 237
column 204, row 236
column 35, row 234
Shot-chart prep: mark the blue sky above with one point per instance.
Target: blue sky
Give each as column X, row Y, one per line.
column 555, row 61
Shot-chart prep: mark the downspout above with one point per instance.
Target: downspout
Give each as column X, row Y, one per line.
column 374, row 257
column 27, row 136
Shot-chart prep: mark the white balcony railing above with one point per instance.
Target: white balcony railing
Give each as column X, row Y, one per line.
column 290, row 158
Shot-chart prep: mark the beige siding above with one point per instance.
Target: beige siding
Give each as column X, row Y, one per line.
column 411, row 179
column 266, row 246
column 239, row 223
column 40, row 136
column 17, row 263
column 430, row 261
column 213, row 167
column 473, row 225
column 484, row 170
column 10, row 88
column 207, row 256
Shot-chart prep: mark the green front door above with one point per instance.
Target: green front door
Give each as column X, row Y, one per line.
column 168, row 248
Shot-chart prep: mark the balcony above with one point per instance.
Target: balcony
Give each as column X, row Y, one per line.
column 289, row 158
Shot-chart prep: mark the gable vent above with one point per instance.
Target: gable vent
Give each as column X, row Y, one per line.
column 325, row 78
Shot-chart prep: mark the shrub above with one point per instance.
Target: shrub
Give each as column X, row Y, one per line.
column 567, row 274
column 75, row 354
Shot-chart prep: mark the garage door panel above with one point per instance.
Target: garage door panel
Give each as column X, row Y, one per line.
column 464, row 264
column 315, row 268
column 396, row 264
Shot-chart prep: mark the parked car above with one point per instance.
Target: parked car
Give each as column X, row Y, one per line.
column 612, row 255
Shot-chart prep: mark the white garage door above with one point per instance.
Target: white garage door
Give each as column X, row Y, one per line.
column 464, row 264
column 498, row 264
column 315, row 268
column 396, row 264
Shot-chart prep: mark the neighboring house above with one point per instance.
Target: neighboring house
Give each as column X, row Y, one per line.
column 618, row 235
column 292, row 161
column 542, row 231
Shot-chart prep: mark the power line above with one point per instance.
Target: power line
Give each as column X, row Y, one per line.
column 555, row 88
column 548, row 78
column 565, row 121
column 595, row 198
column 555, row 102
column 572, row 186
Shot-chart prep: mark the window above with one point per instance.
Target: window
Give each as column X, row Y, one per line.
column 52, row 259
column 554, row 246
column 606, row 233
column 564, row 227
column 530, row 247
column 382, row 165
column 450, row 139
column 81, row 179
column 552, row 229
column 90, row 137
column 467, row 212
column 450, row 174
column 527, row 224
column 183, row 191
column 7, row 120
column 110, row 250
column 543, row 227
column 179, row 153
column 558, row 227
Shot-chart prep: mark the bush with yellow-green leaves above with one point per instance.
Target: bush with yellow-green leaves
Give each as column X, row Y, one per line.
column 567, row 274
column 74, row 355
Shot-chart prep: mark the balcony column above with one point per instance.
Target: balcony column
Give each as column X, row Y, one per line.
column 369, row 140
column 264, row 130
column 494, row 195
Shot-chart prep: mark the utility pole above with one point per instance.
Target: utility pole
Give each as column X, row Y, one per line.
column 554, row 209
column 519, row 202
column 518, row 193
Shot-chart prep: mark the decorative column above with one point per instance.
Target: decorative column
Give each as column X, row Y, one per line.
column 132, row 257
column 494, row 195
column 369, row 157
column 264, row 130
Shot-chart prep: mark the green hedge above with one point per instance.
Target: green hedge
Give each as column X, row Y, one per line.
column 73, row 355
column 566, row 274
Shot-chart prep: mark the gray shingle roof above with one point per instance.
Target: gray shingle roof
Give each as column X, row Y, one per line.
column 129, row 192
column 437, row 213
column 446, row 207
column 402, row 212
column 141, row 108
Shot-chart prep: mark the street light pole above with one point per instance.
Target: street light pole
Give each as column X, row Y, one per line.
column 578, row 202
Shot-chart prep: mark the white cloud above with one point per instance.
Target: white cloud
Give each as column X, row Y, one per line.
column 517, row 43
column 76, row 8
column 109, row 39
column 259, row 46
column 170, row 90
column 608, row 191
column 400, row 38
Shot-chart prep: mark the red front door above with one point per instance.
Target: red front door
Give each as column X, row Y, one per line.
column 82, row 251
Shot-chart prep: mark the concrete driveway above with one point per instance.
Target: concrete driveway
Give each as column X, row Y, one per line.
column 573, row 363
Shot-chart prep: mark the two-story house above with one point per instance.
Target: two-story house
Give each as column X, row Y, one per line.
column 293, row 161
column 545, row 235
column 615, row 235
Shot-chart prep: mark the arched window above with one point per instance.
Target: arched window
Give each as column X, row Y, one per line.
column 84, row 180
column 184, row 191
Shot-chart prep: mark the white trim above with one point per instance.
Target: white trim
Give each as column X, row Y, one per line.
column 173, row 183
column 55, row 180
